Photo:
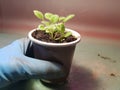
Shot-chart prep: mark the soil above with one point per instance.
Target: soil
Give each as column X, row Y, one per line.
column 43, row 36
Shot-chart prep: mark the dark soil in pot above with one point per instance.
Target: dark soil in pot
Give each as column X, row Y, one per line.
column 43, row 36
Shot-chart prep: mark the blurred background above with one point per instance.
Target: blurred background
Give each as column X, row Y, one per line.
column 96, row 18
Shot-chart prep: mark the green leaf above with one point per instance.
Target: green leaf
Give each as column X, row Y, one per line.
column 61, row 18
column 45, row 23
column 48, row 16
column 54, row 18
column 41, row 27
column 50, row 29
column 62, row 28
column 38, row 14
column 67, row 34
column 68, row 17
column 47, row 31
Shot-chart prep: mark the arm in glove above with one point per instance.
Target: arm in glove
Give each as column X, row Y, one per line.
column 15, row 65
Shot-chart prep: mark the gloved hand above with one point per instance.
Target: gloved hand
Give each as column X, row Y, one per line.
column 15, row 64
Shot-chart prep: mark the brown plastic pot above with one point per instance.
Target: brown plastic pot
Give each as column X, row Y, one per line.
column 58, row 52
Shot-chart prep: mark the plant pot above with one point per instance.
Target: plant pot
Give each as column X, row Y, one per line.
column 58, row 52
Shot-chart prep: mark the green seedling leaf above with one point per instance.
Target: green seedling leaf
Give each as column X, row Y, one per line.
column 61, row 19
column 68, row 17
column 67, row 34
column 61, row 28
column 48, row 16
column 38, row 14
column 54, row 18
column 50, row 29
column 41, row 27
column 46, row 23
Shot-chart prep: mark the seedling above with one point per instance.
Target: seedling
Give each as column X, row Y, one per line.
column 53, row 24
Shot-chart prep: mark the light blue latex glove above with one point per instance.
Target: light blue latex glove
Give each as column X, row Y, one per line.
column 15, row 64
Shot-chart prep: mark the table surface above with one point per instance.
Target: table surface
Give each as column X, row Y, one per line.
column 96, row 66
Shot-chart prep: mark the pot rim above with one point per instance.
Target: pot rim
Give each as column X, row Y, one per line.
column 74, row 33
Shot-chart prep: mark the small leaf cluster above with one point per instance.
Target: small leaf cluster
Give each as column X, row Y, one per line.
column 53, row 24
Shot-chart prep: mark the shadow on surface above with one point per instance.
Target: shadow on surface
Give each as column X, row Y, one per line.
column 80, row 78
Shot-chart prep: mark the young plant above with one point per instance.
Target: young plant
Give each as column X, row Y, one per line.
column 53, row 24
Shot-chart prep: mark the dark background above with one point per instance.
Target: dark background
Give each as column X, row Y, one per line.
column 91, row 15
